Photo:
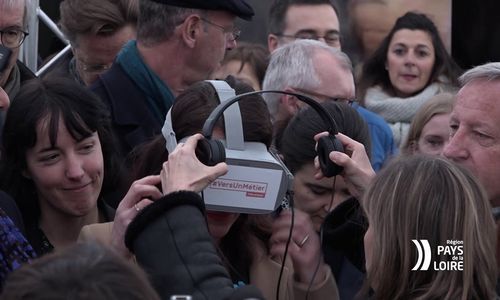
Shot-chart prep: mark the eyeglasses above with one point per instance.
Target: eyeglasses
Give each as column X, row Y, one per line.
column 231, row 31
column 324, row 98
column 12, row 37
column 95, row 68
column 332, row 38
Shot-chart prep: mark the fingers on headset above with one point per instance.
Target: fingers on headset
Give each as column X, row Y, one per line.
column 348, row 143
column 317, row 136
column 192, row 141
column 340, row 158
column 220, row 169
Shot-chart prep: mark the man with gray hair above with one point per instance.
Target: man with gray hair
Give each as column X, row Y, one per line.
column 13, row 31
column 475, row 131
column 475, row 127
column 309, row 67
column 323, row 72
column 179, row 42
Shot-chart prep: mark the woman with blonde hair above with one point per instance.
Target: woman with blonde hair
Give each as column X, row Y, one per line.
column 430, row 130
column 426, row 199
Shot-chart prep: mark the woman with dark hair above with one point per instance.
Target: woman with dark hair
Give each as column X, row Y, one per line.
column 410, row 66
column 297, row 145
column 58, row 161
column 241, row 238
column 328, row 200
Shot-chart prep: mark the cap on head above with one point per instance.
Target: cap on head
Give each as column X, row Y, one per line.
column 239, row 8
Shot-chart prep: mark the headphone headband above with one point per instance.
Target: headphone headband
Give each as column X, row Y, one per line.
column 217, row 112
column 211, row 152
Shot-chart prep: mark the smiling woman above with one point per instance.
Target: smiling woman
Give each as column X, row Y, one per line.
column 410, row 66
column 58, row 160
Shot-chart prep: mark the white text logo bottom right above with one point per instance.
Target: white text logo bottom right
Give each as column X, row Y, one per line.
column 450, row 256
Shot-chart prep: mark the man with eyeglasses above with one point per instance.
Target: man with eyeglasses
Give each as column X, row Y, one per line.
column 179, row 42
column 321, row 70
column 303, row 19
column 291, row 20
column 13, row 31
column 311, row 68
column 96, row 31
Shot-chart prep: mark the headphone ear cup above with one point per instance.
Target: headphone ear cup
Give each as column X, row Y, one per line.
column 327, row 144
column 210, row 152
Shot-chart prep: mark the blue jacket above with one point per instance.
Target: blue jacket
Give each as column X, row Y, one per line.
column 14, row 248
column 382, row 141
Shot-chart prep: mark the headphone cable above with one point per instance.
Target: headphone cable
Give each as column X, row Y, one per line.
column 290, row 202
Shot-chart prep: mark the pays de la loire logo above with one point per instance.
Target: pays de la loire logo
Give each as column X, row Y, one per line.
column 451, row 256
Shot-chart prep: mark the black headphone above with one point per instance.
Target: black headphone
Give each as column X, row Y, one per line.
column 211, row 152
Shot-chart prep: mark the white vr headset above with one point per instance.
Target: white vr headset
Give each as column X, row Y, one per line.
column 257, row 180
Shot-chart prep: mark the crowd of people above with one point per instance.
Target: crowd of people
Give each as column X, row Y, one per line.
column 103, row 166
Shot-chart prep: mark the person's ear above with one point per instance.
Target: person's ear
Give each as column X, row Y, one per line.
column 290, row 104
column 191, row 29
column 272, row 42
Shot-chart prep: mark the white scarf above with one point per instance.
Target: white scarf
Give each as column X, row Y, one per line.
column 398, row 112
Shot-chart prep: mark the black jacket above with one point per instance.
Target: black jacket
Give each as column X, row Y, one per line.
column 133, row 122
column 41, row 243
column 170, row 240
column 343, row 246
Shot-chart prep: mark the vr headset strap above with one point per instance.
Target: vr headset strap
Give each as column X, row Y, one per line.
column 232, row 116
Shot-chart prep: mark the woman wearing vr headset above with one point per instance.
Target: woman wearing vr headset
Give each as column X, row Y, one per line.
column 241, row 238
column 327, row 198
